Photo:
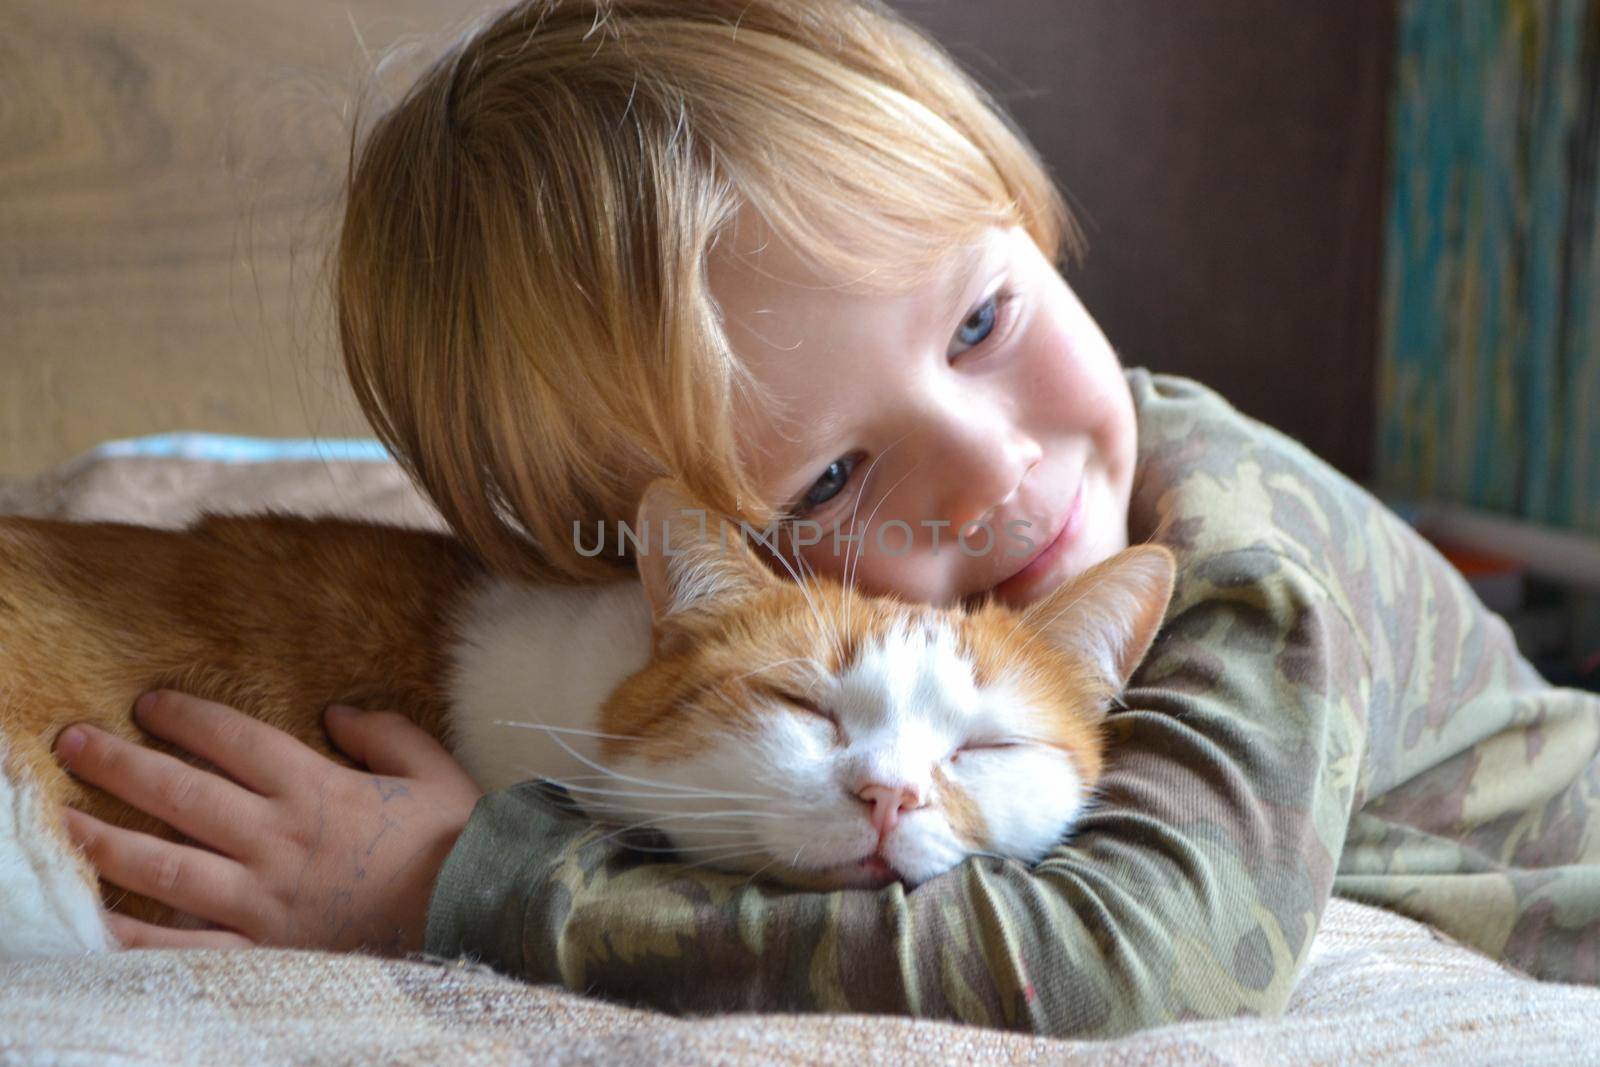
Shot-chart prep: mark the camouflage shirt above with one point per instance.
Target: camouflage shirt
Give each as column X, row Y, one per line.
column 1329, row 709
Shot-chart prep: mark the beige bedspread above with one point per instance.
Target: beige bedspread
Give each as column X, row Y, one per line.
column 1378, row 989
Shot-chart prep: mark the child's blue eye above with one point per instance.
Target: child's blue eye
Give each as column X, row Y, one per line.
column 979, row 324
column 830, row 485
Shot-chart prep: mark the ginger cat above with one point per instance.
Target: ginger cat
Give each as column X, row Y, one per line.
column 811, row 734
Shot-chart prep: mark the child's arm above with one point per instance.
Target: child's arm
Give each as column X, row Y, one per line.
column 1193, row 890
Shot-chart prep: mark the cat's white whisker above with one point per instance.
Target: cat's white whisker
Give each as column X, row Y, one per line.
column 634, row 810
column 677, row 791
column 757, row 872
column 709, row 831
column 687, row 795
column 672, row 850
column 747, row 838
column 805, row 591
column 832, row 631
column 770, row 666
column 710, row 860
column 674, row 790
column 745, row 834
column 849, row 573
column 618, row 775
column 528, row 725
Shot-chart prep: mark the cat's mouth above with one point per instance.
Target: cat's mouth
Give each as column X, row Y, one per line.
column 872, row 871
column 879, row 871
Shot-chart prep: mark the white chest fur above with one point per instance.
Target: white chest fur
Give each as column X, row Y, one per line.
column 532, row 666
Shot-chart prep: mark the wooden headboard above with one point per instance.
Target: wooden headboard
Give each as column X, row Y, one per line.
column 167, row 174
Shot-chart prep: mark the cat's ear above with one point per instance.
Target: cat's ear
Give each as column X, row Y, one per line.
column 1111, row 612
column 693, row 558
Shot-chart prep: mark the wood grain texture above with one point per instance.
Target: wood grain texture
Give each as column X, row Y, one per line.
column 166, row 174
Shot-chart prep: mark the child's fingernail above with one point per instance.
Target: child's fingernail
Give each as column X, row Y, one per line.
column 144, row 704
column 341, row 710
column 70, row 743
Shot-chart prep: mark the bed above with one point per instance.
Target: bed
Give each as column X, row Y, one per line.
column 1378, row 988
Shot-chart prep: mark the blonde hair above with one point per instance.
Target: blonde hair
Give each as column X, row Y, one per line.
column 521, row 276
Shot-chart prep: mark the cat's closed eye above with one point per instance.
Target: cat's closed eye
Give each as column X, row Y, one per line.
column 812, row 707
column 978, row 745
column 805, row 703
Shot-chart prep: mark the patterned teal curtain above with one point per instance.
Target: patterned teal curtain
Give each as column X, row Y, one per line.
column 1490, row 345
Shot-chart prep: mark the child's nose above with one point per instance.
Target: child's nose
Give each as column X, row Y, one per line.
column 975, row 453
column 982, row 465
column 887, row 802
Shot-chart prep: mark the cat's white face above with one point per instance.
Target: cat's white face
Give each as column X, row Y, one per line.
column 897, row 766
column 827, row 738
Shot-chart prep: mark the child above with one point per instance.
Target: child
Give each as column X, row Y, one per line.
column 785, row 250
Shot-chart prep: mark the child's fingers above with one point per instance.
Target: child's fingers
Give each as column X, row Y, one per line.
column 258, row 756
column 192, row 880
column 131, row 933
column 386, row 742
column 206, row 807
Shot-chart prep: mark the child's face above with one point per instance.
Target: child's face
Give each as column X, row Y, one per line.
column 986, row 395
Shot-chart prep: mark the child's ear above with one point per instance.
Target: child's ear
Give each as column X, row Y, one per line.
column 1111, row 612
column 690, row 557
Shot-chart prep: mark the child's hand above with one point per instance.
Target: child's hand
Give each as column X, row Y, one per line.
column 306, row 853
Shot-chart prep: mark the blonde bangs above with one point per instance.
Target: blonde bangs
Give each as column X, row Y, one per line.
column 874, row 186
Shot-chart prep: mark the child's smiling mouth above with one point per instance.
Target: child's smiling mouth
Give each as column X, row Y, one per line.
column 1035, row 569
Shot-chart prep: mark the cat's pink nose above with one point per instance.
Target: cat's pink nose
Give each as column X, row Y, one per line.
column 887, row 804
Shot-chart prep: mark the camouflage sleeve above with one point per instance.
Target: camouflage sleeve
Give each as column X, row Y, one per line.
column 1192, row 890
